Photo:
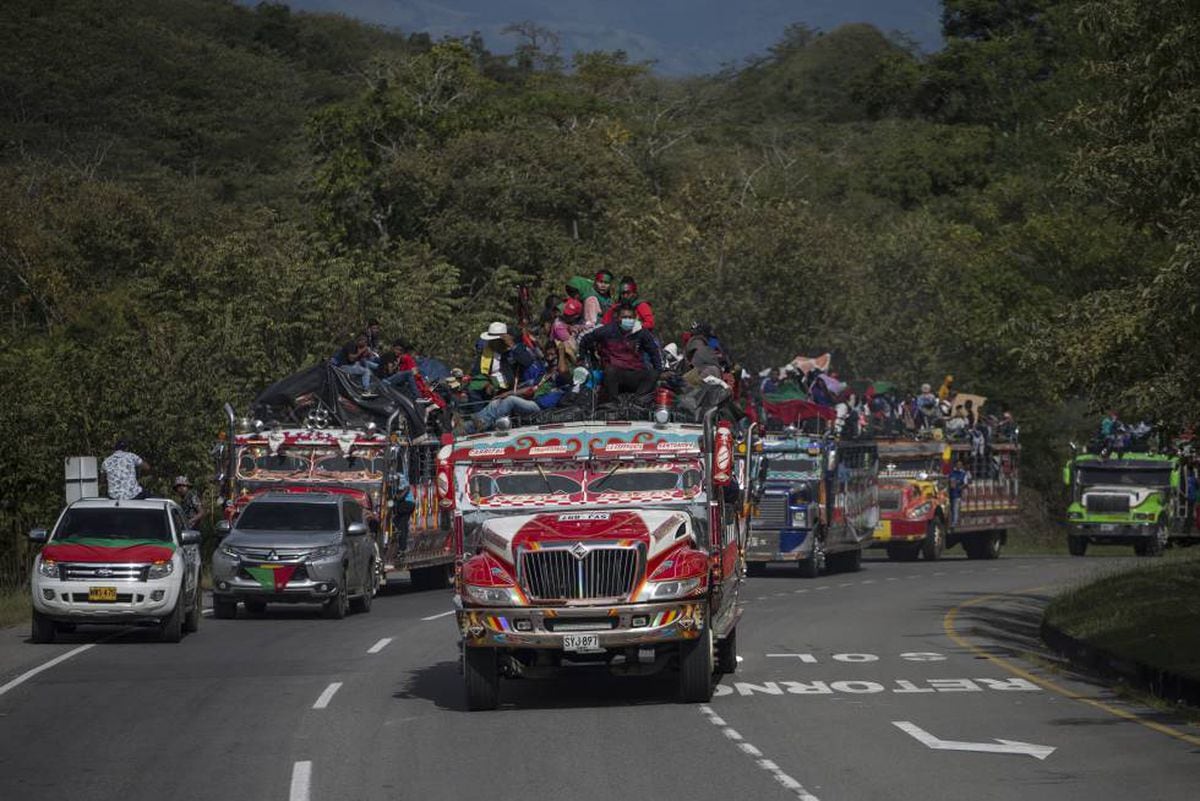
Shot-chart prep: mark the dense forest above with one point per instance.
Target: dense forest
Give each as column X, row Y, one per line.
column 197, row 197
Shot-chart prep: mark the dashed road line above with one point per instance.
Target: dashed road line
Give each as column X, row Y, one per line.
column 892, row 578
column 847, row 584
column 439, row 614
column 750, row 750
column 379, row 646
column 799, row 592
column 301, row 781
column 867, row 581
column 327, row 695
column 823, row 587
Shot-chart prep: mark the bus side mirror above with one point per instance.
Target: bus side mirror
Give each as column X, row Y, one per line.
column 223, row 527
column 1175, row 479
column 1067, row 474
column 38, row 535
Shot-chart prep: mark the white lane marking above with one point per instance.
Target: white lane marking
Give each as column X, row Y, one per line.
column 327, row 695
column 825, row 587
column 439, row 614
column 893, row 578
column 761, row 598
column 847, row 584
column 29, row 674
column 940, row 573
column 806, row 658
column 867, row 581
column 301, row 781
column 1039, row 752
column 798, row 592
column 747, row 748
column 379, row 646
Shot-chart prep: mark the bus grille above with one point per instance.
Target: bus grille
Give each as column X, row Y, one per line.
column 578, row 572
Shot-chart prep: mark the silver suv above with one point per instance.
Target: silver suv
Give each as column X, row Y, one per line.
column 296, row 548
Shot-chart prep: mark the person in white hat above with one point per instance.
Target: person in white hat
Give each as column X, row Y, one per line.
column 500, row 358
column 189, row 501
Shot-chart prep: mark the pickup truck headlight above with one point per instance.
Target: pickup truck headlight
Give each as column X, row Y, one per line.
column 668, row 590
column 231, row 552
column 325, row 552
column 47, row 568
column 161, row 569
column 504, row 596
column 920, row 510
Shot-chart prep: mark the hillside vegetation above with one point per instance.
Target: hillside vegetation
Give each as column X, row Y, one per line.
column 197, row 197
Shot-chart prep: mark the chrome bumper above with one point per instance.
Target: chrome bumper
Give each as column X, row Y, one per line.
column 614, row 626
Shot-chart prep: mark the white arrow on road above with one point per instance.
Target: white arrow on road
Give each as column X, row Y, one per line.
column 998, row 747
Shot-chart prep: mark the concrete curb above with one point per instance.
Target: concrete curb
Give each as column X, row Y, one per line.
column 1165, row 684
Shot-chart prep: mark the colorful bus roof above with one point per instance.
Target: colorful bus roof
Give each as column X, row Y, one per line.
column 583, row 441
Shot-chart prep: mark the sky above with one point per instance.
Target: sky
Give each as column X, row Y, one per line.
column 680, row 36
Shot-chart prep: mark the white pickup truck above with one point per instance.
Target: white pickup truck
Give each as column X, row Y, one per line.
column 117, row 562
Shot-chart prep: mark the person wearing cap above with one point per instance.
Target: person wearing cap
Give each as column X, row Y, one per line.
column 594, row 294
column 628, row 296
column 500, row 358
column 121, row 468
column 564, row 332
column 189, row 501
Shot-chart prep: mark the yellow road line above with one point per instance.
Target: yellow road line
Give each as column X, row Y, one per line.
column 1047, row 684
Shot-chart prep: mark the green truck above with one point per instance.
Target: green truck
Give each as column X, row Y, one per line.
column 1128, row 498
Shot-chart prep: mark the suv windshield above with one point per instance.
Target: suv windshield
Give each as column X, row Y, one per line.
column 114, row 523
column 268, row 516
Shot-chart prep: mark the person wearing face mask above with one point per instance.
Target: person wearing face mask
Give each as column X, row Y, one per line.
column 624, row 348
column 628, row 296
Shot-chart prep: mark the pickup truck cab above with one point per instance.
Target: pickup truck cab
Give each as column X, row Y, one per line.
column 117, row 562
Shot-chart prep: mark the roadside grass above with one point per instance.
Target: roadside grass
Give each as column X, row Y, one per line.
column 14, row 606
column 1149, row 613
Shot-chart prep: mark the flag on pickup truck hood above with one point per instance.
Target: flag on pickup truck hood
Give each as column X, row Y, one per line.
column 93, row 550
column 272, row 577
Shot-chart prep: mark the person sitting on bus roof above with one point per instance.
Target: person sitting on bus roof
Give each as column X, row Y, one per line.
column 946, row 390
column 374, row 336
column 354, row 358
column 398, row 368
column 595, row 295
column 564, row 333
column 629, row 297
column 621, row 346
column 500, row 357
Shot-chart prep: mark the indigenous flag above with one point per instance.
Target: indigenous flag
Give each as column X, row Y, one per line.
column 272, row 577
column 92, row 550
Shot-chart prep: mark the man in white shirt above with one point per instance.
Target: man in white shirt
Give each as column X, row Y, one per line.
column 122, row 468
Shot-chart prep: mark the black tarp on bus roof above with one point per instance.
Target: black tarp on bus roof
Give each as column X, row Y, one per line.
column 323, row 391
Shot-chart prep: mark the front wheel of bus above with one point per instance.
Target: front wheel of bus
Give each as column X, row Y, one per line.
column 696, row 667
column 984, row 545
column 727, row 654
column 482, row 677
column 1077, row 546
column 935, row 540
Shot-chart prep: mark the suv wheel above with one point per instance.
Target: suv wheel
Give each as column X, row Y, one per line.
column 335, row 607
column 224, row 608
column 42, row 628
column 363, row 602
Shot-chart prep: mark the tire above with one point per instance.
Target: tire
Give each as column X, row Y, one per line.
column 335, row 608
column 727, row 654
column 756, row 569
column 430, row 578
column 1077, row 546
column 170, row 629
column 481, row 676
column 696, row 666
column 984, row 545
column 224, row 608
column 255, row 607
column 845, row 561
column 41, row 628
column 362, row 604
column 809, row 568
column 899, row 552
column 191, row 621
column 935, row 540
column 1151, row 546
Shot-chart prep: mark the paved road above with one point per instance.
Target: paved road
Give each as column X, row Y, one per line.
column 830, row 667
